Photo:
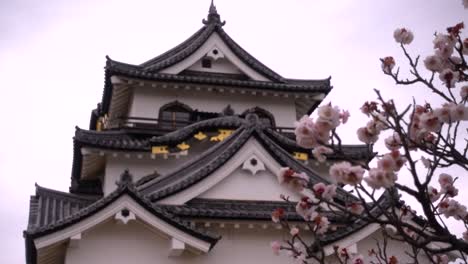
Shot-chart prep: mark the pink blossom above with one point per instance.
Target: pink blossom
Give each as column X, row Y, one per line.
column 464, row 91
column 368, row 107
column 294, row 180
column 305, row 208
column 330, row 115
column 344, row 116
column 387, row 64
column 326, row 192
column 406, row 213
column 459, row 112
column 379, row 178
column 321, row 224
column 393, row 142
column 277, row 214
column 356, row 208
column 386, row 163
column 444, row 113
column 444, row 45
column 450, row 191
column 465, row 235
column 305, row 132
column 359, row 259
column 449, row 77
column 452, row 208
column 445, row 180
column 430, row 122
column 366, row 136
column 276, row 247
column 434, row 195
column 403, row 36
column 433, row 63
column 344, row 173
column 294, row 231
column 319, row 152
column 440, row 259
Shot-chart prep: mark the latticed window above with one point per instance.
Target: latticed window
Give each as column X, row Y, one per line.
column 174, row 115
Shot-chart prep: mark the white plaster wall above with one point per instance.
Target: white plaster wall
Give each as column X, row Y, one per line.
column 146, row 102
column 140, row 167
column 214, row 41
column 220, row 65
column 135, row 243
column 242, row 185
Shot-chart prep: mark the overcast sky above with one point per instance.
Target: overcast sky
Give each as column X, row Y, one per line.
column 52, row 55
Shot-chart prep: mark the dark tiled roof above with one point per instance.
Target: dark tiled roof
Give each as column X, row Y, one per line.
column 49, row 206
column 53, row 210
column 150, row 70
column 201, row 167
column 239, row 210
column 357, row 152
column 277, row 144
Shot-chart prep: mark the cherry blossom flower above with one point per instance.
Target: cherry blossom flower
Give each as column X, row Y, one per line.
column 459, row 112
column 368, row 107
column 434, row 195
column 319, row 152
column 406, row 213
column 277, row 214
column 276, row 247
column 329, row 114
column 449, row 77
column 356, row 208
column 445, row 180
column 386, row 163
column 344, row 173
column 294, row 180
column 452, row 208
column 379, row 178
column 444, row 45
column 387, row 64
column 359, row 259
column 433, row 63
column 306, row 209
column 430, row 122
column 326, row 192
column 344, row 115
column 464, row 91
column 403, row 36
column 294, row 231
column 367, row 136
column 393, row 142
column 305, row 132
column 393, row 260
column 321, row 224
column 440, row 259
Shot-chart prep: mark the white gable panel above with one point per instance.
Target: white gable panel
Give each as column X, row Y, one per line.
column 232, row 64
column 231, row 181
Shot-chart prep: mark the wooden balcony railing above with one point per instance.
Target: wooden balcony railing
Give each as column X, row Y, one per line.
column 143, row 123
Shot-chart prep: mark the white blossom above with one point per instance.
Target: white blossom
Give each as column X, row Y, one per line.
column 403, row 36
column 433, row 63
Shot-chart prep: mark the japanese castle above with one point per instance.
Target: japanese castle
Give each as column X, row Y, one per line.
column 179, row 163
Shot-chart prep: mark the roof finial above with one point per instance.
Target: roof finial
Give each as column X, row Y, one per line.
column 213, row 16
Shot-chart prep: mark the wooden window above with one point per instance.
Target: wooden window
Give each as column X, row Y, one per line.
column 174, row 115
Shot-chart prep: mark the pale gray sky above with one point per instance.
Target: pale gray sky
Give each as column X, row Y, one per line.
column 52, row 58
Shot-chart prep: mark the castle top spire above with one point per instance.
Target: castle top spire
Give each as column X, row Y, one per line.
column 213, row 16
